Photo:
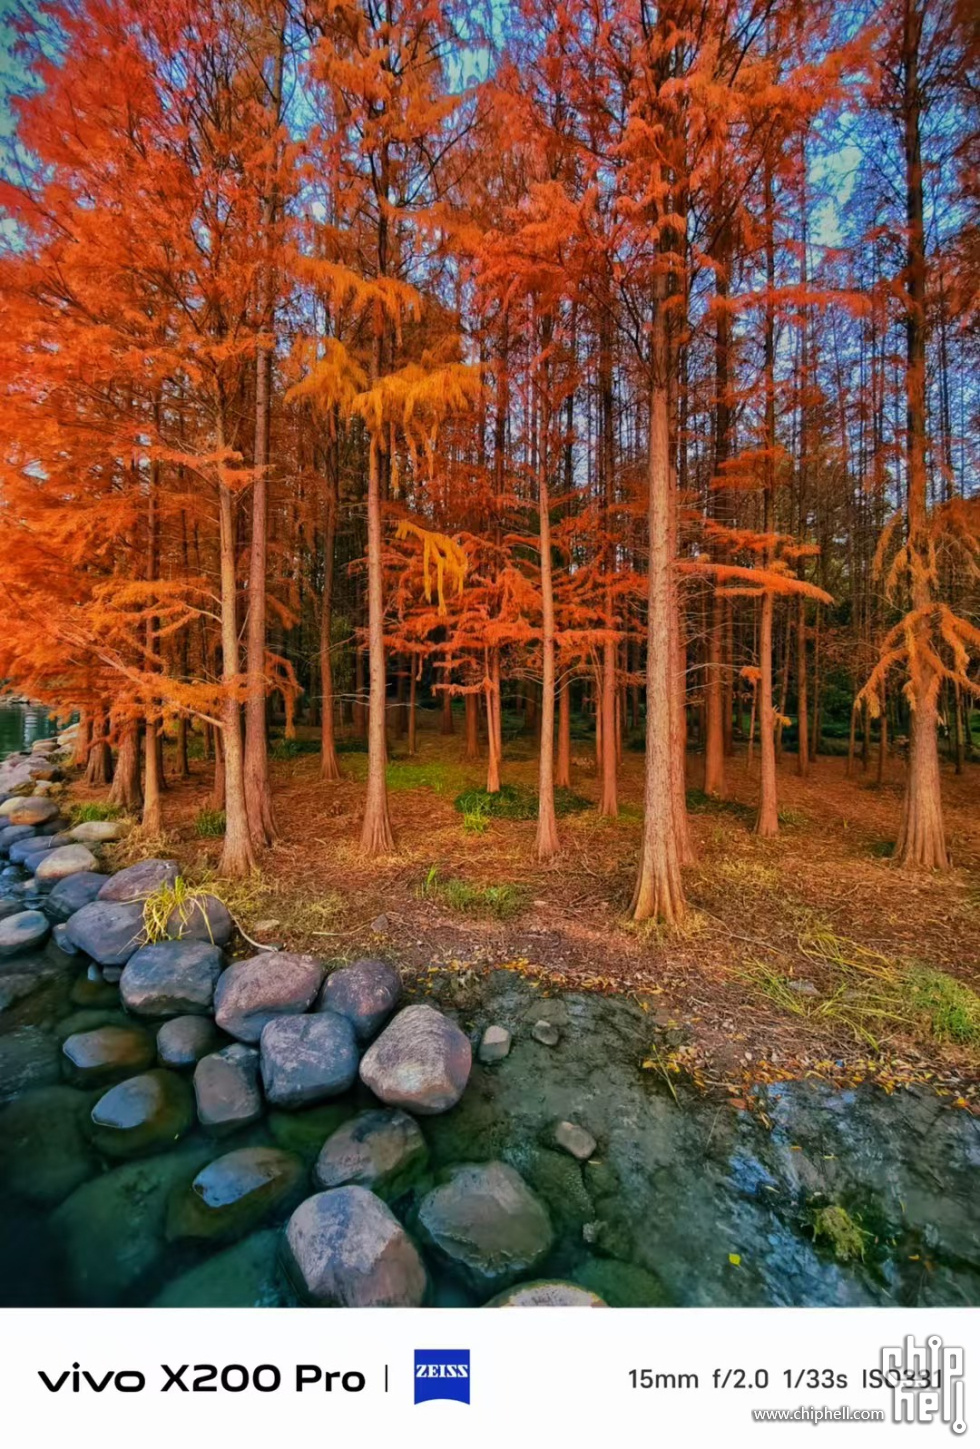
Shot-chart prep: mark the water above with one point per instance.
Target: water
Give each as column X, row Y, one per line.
column 21, row 725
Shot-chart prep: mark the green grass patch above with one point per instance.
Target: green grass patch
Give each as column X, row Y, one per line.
column 435, row 775
column 516, row 802
column 82, row 811
column 950, row 1007
column 209, row 822
column 871, row 994
column 503, row 900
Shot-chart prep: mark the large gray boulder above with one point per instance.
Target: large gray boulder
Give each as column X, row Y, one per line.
column 306, row 1059
column 366, row 992
column 421, row 1061
column 346, row 1249
column 25, row 931
column 29, row 845
column 97, row 832
column 108, row 931
column 143, row 1114
column 275, row 983
column 236, row 1193
column 28, row 810
column 487, row 1225
column 11, row 834
column 383, row 1150
column 226, row 1085
column 107, row 1054
column 137, row 882
column 70, row 895
column 171, row 978
column 184, row 1040
column 201, row 918
column 65, row 860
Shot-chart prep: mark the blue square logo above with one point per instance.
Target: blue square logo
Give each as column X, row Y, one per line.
column 442, row 1373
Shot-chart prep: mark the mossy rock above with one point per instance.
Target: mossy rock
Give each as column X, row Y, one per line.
column 557, row 1179
column 622, row 1285
column 476, row 1130
column 245, row 1276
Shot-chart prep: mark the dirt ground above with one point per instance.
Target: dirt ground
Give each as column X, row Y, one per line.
column 790, row 964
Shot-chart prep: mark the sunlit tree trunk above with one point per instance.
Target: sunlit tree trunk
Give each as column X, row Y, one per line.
column 99, row 766
column 237, row 854
column 606, row 719
column 329, row 766
column 82, row 742
column 377, row 837
column 258, row 788
column 714, row 748
column 152, row 818
column 494, row 725
column 659, row 892
column 921, row 838
column 127, row 791
column 767, row 821
column 152, row 769
column 546, row 843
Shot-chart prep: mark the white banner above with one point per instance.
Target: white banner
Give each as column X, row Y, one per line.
column 512, row 1377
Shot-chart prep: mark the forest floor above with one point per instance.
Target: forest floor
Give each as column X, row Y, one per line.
column 810, row 954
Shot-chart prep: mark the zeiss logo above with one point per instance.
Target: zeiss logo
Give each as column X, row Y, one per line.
column 442, row 1373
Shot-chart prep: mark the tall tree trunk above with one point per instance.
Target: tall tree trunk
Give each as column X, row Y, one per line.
column 218, row 783
column 412, row 715
column 152, row 817
column 126, row 791
column 152, row 769
column 99, row 769
column 767, row 821
column 329, row 764
column 472, row 706
column 446, row 717
column 921, row 838
column 183, row 759
column 714, row 749
column 608, row 800
column 494, row 724
column 83, row 740
column 377, row 837
column 237, row 854
column 258, row 788
column 563, row 763
column 546, row 842
column 401, row 692
column 659, row 892
column 802, row 706
column 360, row 710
